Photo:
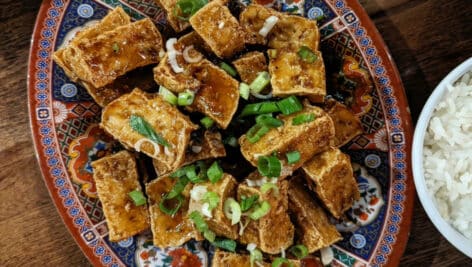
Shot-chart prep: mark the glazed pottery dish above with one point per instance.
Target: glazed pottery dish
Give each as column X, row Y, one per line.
column 441, row 157
column 289, row 104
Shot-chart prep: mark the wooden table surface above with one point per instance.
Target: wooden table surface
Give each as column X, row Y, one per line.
column 426, row 39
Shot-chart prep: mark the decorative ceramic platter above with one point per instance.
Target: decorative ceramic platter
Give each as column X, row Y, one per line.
column 67, row 138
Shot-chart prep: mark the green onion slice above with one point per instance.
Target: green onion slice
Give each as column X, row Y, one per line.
column 167, row 95
column 178, row 187
column 140, row 125
column 226, row 244
column 289, row 105
column 303, row 118
column 255, row 255
column 299, row 251
column 186, row 98
column 197, row 219
column 293, row 157
column 269, row 186
column 256, row 133
column 184, row 9
column 181, row 172
column 215, row 172
column 259, row 108
column 209, row 235
column 279, row 262
column 260, row 82
column 269, row 121
column 228, row 68
column 260, row 210
column 212, row 199
column 244, row 90
column 171, row 211
column 248, row 202
column 306, row 54
column 137, row 197
column 269, row 166
column 232, row 210
column 207, row 122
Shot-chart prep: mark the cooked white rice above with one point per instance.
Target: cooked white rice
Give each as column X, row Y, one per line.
column 448, row 155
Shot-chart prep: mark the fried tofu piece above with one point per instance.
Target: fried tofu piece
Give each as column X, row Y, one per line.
column 252, row 20
column 176, row 82
column 293, row 32
column 117, row 17
column 165, row 119
column 168, row 6
column 100, row 60
column 249, row 66
column 313, row 226
column 169, row 231
column 229, row 259
column 265, row 232
column 308, row 138
column 221, row 31
column 211, row 147
column 330, row 175
column 346, row 124
column 115, row 176
column 218, row 223
column 291, row 75
column 192, row 38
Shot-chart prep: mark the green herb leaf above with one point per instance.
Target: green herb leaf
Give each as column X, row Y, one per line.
column 215, row 172
column 184, row 9
column 140, row 125
column 212, row 199
column 293, row 157
column 247, row 202
column 289, row 105
column 307, row 55
column 137, row 197
column 226, row 244
column 303, row 118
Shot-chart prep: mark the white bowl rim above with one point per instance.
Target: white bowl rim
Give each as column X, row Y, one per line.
column 450, row 233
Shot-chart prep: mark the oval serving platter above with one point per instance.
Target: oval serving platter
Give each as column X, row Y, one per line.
column 63, row 120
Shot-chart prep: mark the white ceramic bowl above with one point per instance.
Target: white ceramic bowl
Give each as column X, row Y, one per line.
column 450, row 233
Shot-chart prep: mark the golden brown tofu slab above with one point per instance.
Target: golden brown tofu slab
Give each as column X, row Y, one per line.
column 165, row 119
column 228, row 259
column 346, row 124
column 176, row 82
column 252, row 20
column 115, row 176
column 308, row 139
column 211, row 146
column 330, row 175
column 218, row 223
column 313, row 226
column 169, row 231
column 102, row 59
column 265, row 232
column 291, row 75
column 293, row 32
column 249, row 66
column 221, row 31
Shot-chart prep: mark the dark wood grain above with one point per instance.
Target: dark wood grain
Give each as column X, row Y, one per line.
column 426, row 39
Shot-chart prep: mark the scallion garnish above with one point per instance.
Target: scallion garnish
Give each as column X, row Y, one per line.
column 178, row 187
column 244, row 90
column 299, row 251
column 260, row 82
column 212, row 199
column 259, row 108
column 255, row 255
column 232, row 210
column 269, row 166
column 171, row 211
column 137, row 197
column 186, row 98
column 293, row 157
column 167, row 95
column 140, row 125
column 255, row 133
column 289, row 105
column 226, row 244
column 248, row 202
column 202, row 226
column 279, row 262
column 306, row 54
column 184, row 9
column 181, row 172
column 215, row 172
column 116, row 47
column 207, row 122
column 303, row 118
column 209, row 235
column 228, row 68
column 269, row 186
column 269, row 121
column 260, row 210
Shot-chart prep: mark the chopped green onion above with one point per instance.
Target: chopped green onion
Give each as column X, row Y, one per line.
column 227, row 244
column 228, row 68
column 209, row 235
column 232, row 210
column 289, row 105
column 260, row 210
column 306, row 54
column 303, row 118
column 256, row 133
column 248, row 202
column 170, row 211
column 255, row 255
column 140, row 125
column 181, row 172
column 279, row 262
column 272, row 53
column 244, row 90
column 116, row 47
column 178, row 187
column 269, row 121
column 199, row 222
column 184, row 9
column 259, row 108
column 269, row 186
column 167, row 95
column 299, row 251
column 207, row 122
column 186, row 98
column 212, row 199
column 215, row 172
column 269, row 166
column 293, row 157
column 232, row 141
column 137, row 197
column 260, row 82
